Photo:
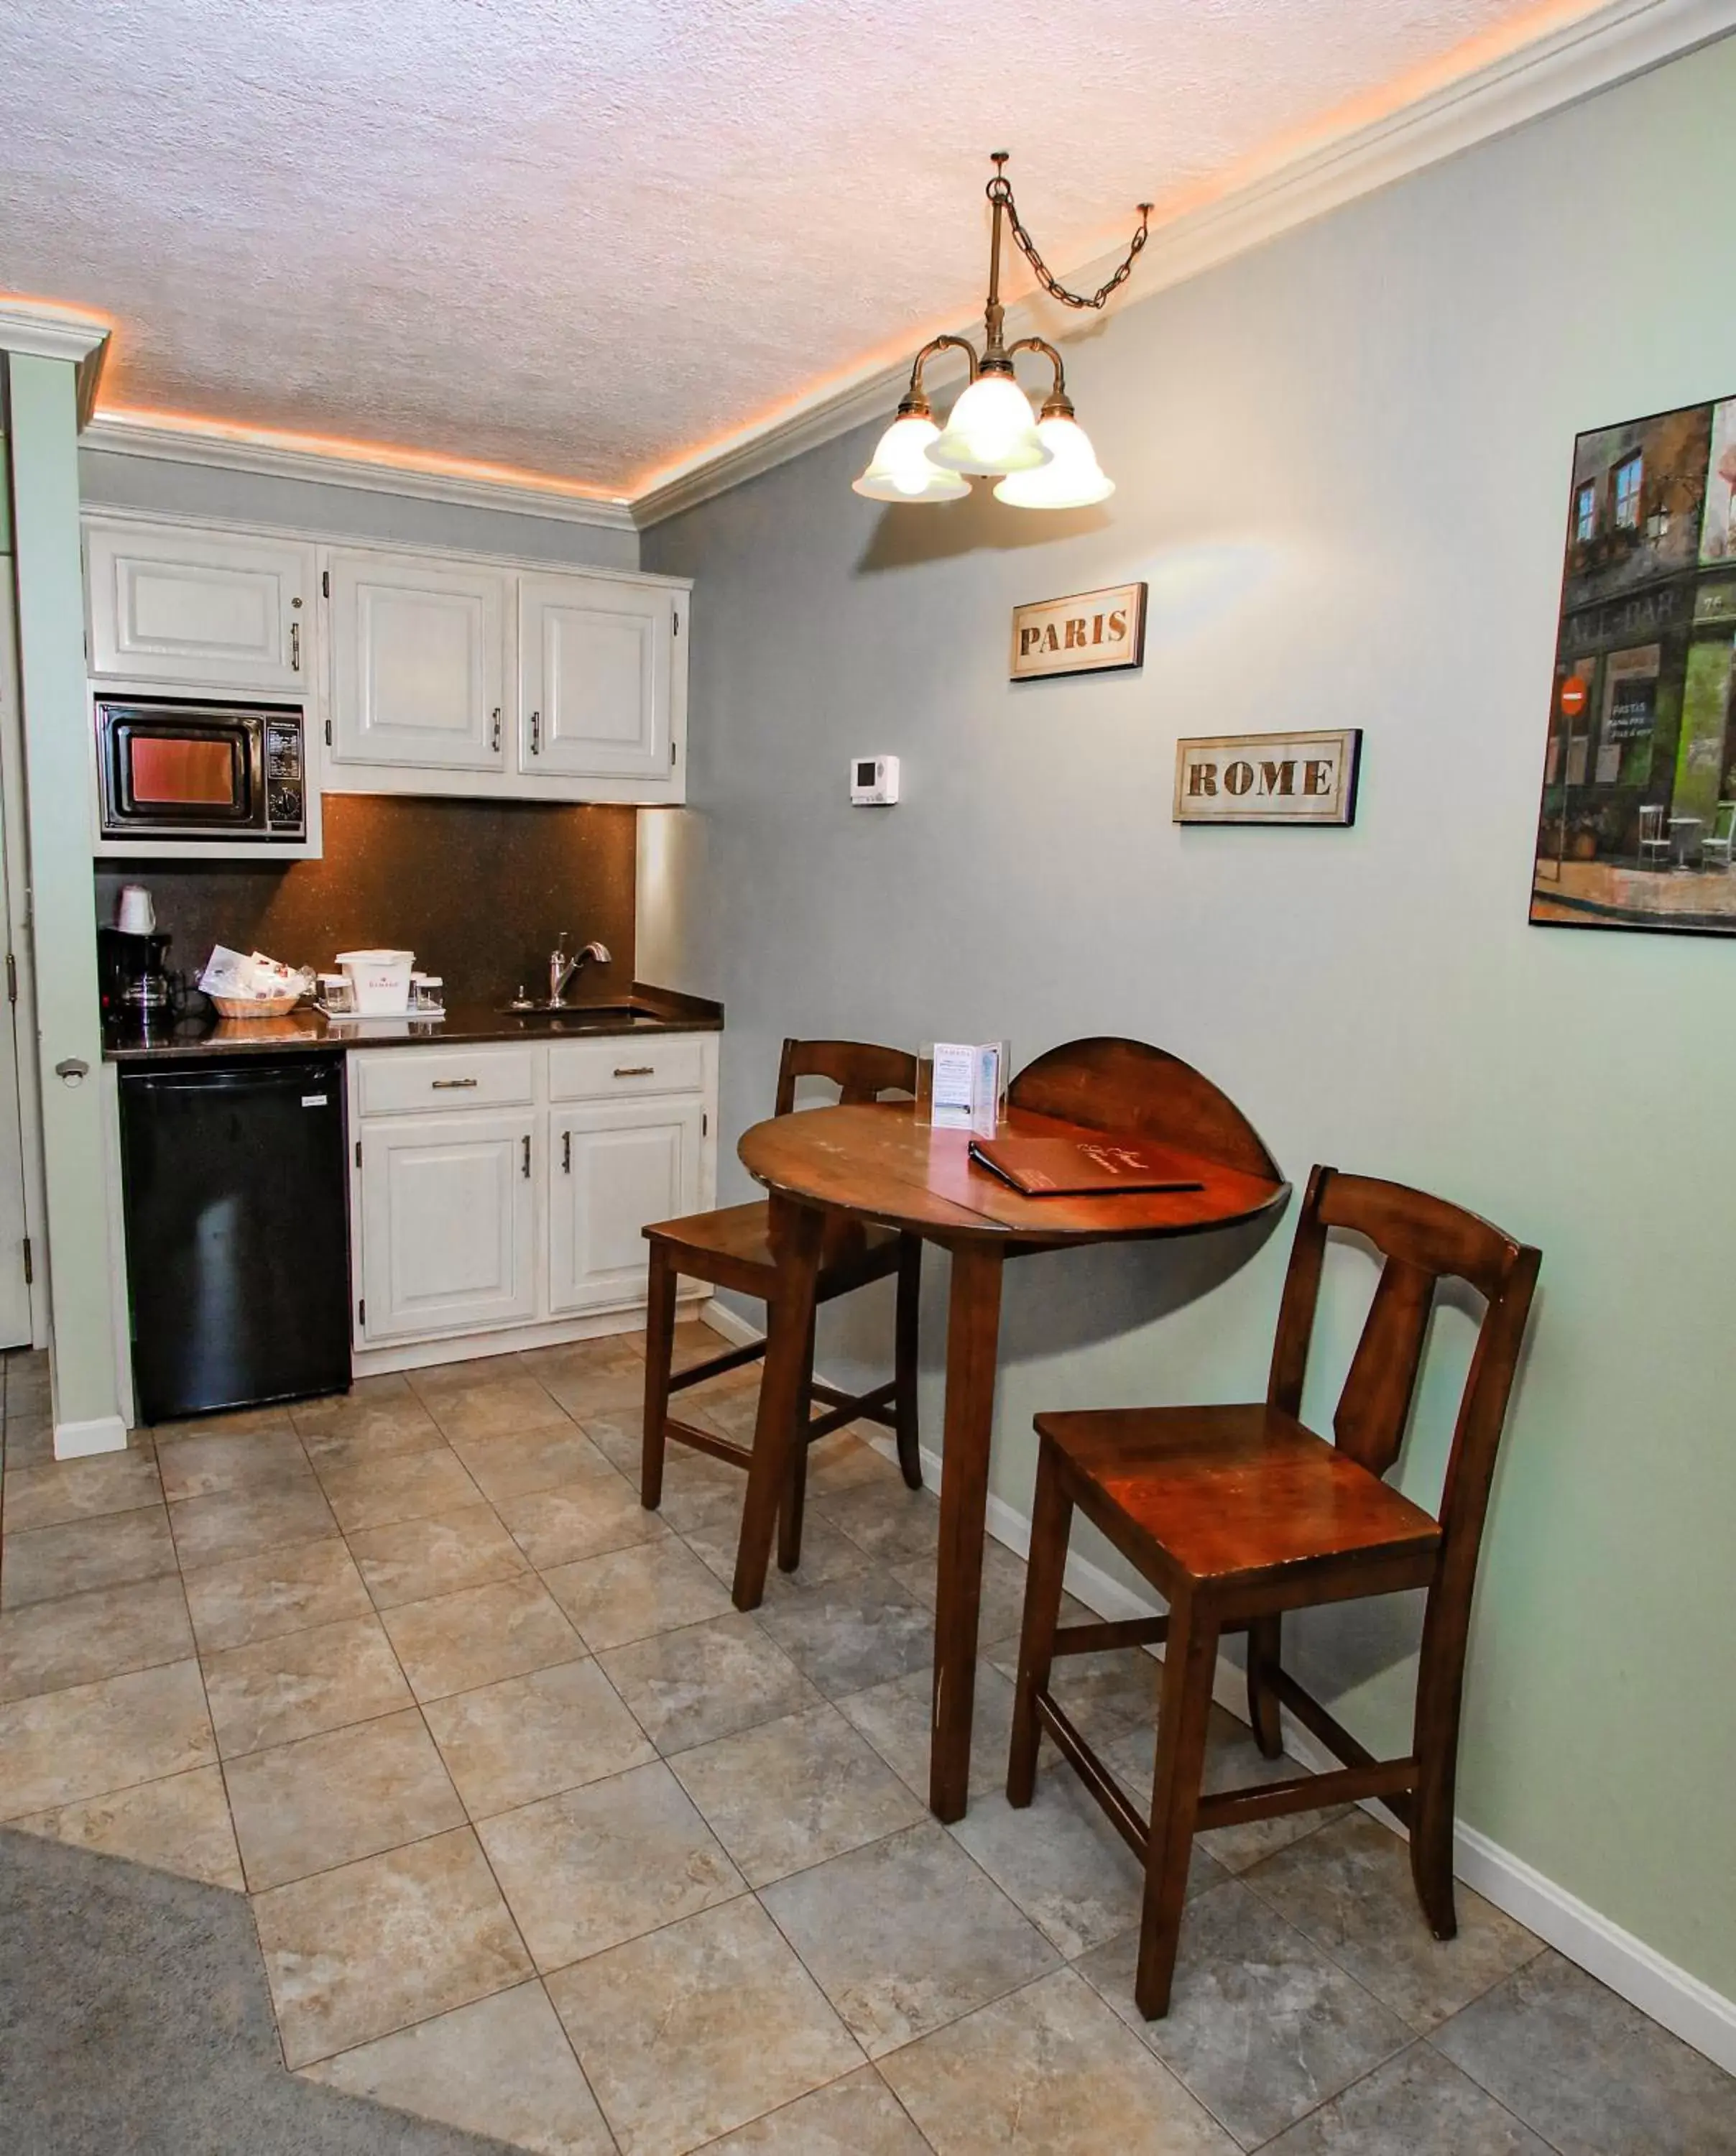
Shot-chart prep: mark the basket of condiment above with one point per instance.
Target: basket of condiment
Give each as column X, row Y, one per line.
column 255, row 1006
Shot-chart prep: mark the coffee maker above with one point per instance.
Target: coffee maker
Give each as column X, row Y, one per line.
column 133, row 971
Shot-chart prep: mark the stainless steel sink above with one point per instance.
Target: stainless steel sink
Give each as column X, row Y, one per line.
column 590, row 1014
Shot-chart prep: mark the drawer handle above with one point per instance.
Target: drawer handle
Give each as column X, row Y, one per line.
column 635, row 1070
column 453, row 1085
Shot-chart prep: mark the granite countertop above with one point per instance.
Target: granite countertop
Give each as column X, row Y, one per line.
column 307, row 1031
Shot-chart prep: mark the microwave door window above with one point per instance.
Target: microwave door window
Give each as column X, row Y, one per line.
column 172, row 778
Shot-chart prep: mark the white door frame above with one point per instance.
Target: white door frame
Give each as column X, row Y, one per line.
column 15, row 920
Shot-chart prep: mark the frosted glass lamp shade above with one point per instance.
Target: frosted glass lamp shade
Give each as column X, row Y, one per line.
column 992, row 429
column 1072, row 478
column 900, row 471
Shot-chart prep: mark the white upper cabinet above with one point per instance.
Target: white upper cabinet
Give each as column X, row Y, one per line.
column 419, row 662
column 596, row 658
column 191, row 609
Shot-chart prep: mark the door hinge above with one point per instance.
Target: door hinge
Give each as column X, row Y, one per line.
column 358, row 1152
column 325, row 583
column 30, row 1269
column 11, row 979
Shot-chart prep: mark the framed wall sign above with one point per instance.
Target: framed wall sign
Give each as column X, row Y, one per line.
column 1268, row 778
column 1091, row 633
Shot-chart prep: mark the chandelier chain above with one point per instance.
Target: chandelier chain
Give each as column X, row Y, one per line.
column 1000, row 191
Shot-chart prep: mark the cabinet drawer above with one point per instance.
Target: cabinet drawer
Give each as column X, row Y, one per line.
column 608, row 1070
column 400, row 1081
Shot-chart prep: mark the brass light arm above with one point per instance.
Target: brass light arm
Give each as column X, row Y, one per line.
column 913, row 400
column 1057, row 404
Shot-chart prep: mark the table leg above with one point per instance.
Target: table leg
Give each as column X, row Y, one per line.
column 796, row 1232
column 973, row 1330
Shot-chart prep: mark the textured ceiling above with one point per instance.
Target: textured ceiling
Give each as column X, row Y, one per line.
column 583, row 239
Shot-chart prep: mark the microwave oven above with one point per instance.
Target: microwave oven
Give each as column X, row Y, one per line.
column 221, row 772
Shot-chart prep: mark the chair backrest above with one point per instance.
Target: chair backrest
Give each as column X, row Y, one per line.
column 1422, row 1240
column 1723, row 823
column 860, row 1071
column 1109, row 1084
column 1651, row 823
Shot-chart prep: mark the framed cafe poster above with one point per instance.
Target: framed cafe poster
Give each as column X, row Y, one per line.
column 1091, row 633
column 1636, row 827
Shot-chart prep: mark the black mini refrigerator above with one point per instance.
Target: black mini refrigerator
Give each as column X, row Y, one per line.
column 236, row 1239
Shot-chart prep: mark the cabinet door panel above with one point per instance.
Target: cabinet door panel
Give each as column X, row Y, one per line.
column 418, row 660
column 612, row 1167
column 447, row 1225
column 209, row 610
column 594, row 692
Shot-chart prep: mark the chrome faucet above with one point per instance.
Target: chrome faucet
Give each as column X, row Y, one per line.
column 561, row 969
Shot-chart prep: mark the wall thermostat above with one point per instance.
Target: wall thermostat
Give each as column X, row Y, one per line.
column 873, row 781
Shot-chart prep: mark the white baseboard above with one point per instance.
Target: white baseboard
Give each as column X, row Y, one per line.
column 79, row 1440
column 507, row 1340
column 1680, row 2002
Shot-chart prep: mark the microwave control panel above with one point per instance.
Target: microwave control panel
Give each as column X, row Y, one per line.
column 285, row 801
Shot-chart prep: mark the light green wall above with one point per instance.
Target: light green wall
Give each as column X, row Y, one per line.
column 1344, row 462
column 43, row 429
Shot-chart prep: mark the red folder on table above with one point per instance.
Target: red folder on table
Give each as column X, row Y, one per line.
column 1094, row 1167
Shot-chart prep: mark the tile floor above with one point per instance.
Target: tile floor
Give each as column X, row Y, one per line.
column 547, row 1841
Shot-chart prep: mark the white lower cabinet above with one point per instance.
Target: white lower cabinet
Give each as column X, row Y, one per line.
column 469, row 1222
column 449, row 1224
column 612, row 1167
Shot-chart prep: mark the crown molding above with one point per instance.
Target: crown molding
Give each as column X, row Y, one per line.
column 1609, row 45
column 48, row 332
column 224, row 449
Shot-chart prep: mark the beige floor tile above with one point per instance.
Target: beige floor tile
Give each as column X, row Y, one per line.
column 28, row 1441
column 894, row 1719
column 588, row 1869
column 207, row 1464
column 1063, row 1863
column 1416, row 2105
column 712, row 1531
column 93, row 1739
column 892, row 1524
column 327, row 1800
column 848, row 1460
column 693, row 2030
column 79, row 1490
column 479, row 1635
column 355, row 1953
column 906, row 1934
column 416, row 1559
column 301, row 1683
column 377, row 1415
column 50, row 1562
column 707, row 1681
column 696, row 1487
column 1348, row 1888
column 1107, row 1695
column 846, row 1635
column 501, row 2068
column 237, row 1422
column 506, row 1403
column 507, row 1744
column 378, row 1492
column 1003, row 1591
column 179, row 1823
column 793, row 1793
column 504, row 1467
column 47, row 1645
column 279, row 1591
column 1262, row 2025
column 858, row 2116
column 584, row 1518
column 590, row 1377
column 1049, row 2071
column 234, row 1523
column 630, row 1593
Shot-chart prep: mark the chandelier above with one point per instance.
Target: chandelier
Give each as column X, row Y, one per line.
column 1044, row 460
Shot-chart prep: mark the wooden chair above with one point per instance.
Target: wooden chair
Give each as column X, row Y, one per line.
column 732, row 1248
column 1237, row 1514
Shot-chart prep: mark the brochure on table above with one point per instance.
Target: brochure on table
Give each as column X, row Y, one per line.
column 967, row 1086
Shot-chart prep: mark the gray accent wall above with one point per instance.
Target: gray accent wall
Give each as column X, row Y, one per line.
column 156, row 485
column 1344, row 463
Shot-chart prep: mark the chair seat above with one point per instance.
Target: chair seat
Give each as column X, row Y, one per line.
column 738, row 1236
column 1227, row 1493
